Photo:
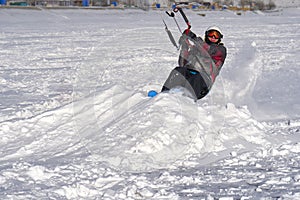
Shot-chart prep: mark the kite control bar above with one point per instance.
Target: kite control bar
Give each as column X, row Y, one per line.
column 176, row 9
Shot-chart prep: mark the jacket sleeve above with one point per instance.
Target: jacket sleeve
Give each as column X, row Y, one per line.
column 220, row 56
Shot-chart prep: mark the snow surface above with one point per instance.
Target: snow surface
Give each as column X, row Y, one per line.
column 75, row 122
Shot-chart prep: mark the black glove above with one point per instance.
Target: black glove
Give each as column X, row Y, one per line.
column 189, row 33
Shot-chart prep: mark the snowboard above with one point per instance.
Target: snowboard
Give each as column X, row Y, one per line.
column 177, row 90
column 152, row 93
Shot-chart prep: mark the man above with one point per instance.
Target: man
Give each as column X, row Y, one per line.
column 199, row 62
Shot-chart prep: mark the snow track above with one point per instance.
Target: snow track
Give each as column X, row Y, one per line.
column 131, row 131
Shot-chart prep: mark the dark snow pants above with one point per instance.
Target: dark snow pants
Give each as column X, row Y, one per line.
column 189, row 79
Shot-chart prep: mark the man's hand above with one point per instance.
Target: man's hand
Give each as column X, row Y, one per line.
column 189, row 33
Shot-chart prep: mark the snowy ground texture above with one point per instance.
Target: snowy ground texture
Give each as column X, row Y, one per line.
column 75, row 122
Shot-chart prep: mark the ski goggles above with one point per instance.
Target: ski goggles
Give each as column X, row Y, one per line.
column 214, row 34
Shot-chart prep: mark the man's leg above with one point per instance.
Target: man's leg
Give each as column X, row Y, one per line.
column 176, row 78
column 197, row 85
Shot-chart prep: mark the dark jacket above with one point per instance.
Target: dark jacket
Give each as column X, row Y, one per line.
column 206, row 58
column 218, row 54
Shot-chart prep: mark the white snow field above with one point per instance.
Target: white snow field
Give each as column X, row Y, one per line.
column 76, row 122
